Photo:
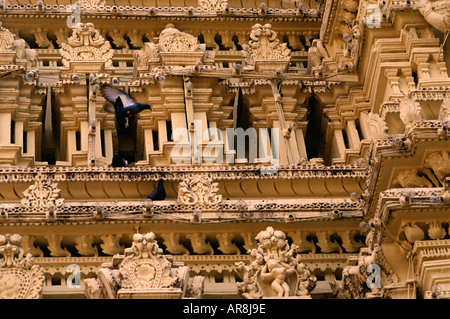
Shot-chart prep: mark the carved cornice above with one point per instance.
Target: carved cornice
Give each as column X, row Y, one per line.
column 141, row 12
column 171, row 211
column 177, row 173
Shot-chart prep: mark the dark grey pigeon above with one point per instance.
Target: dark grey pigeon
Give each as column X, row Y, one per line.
column 122, row 104
column 159, row 193
column 118, row 160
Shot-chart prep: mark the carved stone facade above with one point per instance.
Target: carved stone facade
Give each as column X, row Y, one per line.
column 275, row 270
column 143, row 273
column 303, row 148
column 20, row 277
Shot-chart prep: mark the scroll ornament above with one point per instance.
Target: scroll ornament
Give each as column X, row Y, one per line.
column 20, row 278
column 199, row 191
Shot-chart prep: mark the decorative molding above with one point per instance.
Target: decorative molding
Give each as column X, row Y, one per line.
column 86, row 50
column 43, row 196
column 198, row 191
column 143, row 272
column 20, row 278
column 264, row 48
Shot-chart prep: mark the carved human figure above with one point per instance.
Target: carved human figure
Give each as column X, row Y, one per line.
column 275, row 269
column 275, row 272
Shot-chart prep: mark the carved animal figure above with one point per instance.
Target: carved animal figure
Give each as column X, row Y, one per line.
column 316, row 53
column 24, row 52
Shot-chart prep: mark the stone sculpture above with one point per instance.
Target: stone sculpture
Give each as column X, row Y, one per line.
column 143, row 272
column 275, row 270
column 20, row 278
column 440, row 21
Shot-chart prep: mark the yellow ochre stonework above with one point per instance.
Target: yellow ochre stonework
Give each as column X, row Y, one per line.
column 295, row 149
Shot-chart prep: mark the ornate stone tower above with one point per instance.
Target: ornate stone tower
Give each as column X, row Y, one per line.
column 292, row 149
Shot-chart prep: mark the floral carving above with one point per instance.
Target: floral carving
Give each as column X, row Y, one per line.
column 174, row 48
column 86, row 44
column 143, row 271
column 42, row 196
column 275, row 269
column 20, row 278
column 173, row 40
column 213, row 5
column 199, row 191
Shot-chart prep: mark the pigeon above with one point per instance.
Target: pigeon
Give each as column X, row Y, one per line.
column 123, row 105
column 118, row 161
column 159, row 193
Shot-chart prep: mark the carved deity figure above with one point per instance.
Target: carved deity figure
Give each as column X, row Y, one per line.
column 354, row 284
column 444, row 111
column 24, row 52
column 277, row 273
column 275, row 270
column 6, row 39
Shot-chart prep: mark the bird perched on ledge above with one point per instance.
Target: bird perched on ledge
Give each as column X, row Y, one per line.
column 122, row 105
column 118, row 160
column 159, row 193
